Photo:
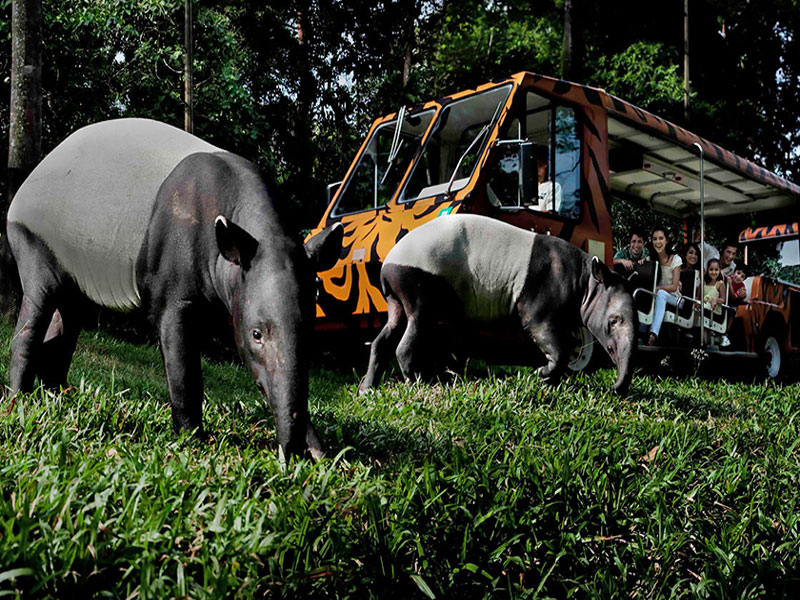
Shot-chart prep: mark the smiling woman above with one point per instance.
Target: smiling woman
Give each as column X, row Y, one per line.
column 667, row 291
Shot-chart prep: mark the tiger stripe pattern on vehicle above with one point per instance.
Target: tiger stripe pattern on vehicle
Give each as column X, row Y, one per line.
column 783, row 230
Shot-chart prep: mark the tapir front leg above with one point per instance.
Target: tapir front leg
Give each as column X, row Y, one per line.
column 552, row 338
column 179, row 348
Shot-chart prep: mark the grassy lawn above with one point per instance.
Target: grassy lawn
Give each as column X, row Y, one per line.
column 494, row 486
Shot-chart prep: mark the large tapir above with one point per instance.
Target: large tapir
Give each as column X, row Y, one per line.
column 135, row 213
column 460, row 268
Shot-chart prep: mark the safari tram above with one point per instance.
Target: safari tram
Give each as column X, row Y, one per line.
column 551, row 157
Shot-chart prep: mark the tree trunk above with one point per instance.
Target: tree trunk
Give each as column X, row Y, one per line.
column 188, row 73
column 686, row 90
column 25, row 128
column 406, row 64
column 306, row 77
column 304, row 151
column 572, row 45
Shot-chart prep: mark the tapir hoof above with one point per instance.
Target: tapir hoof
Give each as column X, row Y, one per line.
column 315, row 453
column 621, row 389
column 364, row 388
column 314, row 448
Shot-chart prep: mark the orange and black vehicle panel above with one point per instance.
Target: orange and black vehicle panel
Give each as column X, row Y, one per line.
column 774, row 305
column 566, row 121
column 772, row 232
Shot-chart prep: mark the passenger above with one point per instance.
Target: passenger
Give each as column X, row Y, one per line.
column 714, row 294
column 691, row 262
column 737, row 296
column 738, row 289
column 726, row 264
column 709, row 251
column 691, row 257
column 635, row 253
column 668, row 288
column 713, row 287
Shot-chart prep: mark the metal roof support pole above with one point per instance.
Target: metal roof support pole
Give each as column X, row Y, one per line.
column 702, row 243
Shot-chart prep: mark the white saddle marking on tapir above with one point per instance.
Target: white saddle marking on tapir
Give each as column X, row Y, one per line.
column 484, row 260
column 91, row 198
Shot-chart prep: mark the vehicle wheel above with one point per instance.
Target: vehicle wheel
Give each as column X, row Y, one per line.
column 581, row 357
column 775, row 361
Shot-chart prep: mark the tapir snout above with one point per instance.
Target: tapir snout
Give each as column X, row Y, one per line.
column 272, row 315
column 609, row 314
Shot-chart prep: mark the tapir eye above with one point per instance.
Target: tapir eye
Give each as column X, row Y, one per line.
column 257, row 335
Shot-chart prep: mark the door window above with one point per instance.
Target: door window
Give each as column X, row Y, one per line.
column 457, row 142
column 383, row 164
column 552, row 156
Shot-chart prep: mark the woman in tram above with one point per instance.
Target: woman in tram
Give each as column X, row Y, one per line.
column 668, row 288
column 691, row 257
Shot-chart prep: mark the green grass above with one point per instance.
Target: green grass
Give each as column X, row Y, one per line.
column 494, row 486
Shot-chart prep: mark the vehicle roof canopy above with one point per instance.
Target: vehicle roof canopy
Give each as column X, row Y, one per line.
column 654, row 162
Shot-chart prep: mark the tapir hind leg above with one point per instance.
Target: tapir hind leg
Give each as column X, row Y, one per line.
column 58, row 347
column 417, row 349
column 26, row 345
column 427, row 300
column 384, row 344
column 41, row 282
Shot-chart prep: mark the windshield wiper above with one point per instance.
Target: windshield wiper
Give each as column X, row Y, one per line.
column 480, row 134
column 396, row 143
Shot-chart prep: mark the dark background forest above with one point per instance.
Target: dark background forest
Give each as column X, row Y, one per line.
column 294, row 86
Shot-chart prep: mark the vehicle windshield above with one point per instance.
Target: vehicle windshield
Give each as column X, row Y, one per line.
column 375, row 178
column 460, row 134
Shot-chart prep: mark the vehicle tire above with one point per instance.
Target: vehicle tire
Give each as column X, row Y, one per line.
column 775, row 361
column 584, row 356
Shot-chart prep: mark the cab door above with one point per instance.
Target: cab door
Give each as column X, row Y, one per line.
column 362, row 206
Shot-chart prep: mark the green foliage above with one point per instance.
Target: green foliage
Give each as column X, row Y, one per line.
column 482, row 40
column 494, row 486
column 647, row 71
column 773, row 268
column 301, row 111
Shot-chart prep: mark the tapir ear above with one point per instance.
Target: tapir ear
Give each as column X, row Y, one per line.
column 323, row 249
column 598, row 270
column 235, row 244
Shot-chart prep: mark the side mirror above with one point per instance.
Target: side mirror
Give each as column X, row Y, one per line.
column 528, row 174
column 331, row 190
column 514, row 182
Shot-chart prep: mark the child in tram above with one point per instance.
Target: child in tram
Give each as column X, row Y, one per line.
column 738, row 291
column 713, row 287
column 714, row 292
column 737, row 296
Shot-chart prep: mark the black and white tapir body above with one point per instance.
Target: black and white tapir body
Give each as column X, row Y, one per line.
column 460, row 268
column 135, row 213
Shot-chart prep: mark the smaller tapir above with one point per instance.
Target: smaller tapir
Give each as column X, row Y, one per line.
column 469, row 268
column 135, row 213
